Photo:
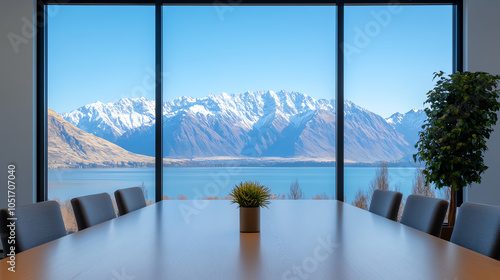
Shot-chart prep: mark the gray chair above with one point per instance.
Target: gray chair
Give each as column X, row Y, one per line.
column 478, row 228
column 129, row 200
column 425, row 213
column 386, row 204
column 36, row 224
column 93, row 209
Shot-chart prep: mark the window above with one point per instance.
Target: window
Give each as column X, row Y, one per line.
column 100, row 63
column 249, row 95
column 391, row 53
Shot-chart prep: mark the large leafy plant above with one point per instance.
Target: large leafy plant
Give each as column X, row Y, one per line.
column 462, row 110
column 250, row 194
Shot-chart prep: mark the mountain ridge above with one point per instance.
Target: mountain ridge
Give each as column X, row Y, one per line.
column 252, row 124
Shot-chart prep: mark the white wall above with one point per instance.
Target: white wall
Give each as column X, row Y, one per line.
column 483, row 54
column 17, row 98
column 17, row 125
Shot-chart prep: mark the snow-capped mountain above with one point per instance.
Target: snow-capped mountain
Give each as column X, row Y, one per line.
column 111, row 120
column 408, row 124
column 252, row 124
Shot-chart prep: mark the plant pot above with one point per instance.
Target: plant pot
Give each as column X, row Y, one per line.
column 249, row 219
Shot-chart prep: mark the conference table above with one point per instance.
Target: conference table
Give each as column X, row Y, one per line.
column 200, row 239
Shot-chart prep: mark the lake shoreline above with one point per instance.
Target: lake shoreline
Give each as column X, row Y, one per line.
column 284, row 162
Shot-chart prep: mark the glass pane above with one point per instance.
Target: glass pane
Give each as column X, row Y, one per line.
column 391, row 53
column 249, row 95
column 101, row 101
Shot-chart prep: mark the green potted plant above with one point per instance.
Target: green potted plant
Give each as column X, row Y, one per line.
column 462, row 110
column 250, row 197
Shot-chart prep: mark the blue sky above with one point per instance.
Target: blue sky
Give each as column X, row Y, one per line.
column 98, row 54
column 107, row 53
column 392, row 69
column 249, row 48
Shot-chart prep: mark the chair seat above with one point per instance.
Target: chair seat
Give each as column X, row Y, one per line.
column 478, row 228
column 129, row 200
column 93, row 209
column 36, row 224
column 425, row 213
column 386, row 204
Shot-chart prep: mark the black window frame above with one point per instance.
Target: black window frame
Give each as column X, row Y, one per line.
column 41, row 72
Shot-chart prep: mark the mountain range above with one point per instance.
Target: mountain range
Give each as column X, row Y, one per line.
column 251, row 125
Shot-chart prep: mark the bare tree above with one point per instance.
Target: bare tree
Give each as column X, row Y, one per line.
column 144, row 191
column 322, row 196
column 447, row 193
column 361, row 200
column 295, row 191
column 210, row 198
column 277, row 196
column 447, row 196
column 419, row 185
column 68, row 215
column 381, row 180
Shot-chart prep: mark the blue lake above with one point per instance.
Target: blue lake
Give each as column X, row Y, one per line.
column 199, row 182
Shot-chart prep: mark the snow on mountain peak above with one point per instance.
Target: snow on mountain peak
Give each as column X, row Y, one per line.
column 410, row 117
column 261, row 122
column 225, row 95
column 408, row 124
column 111, row 120
column 395, row 118
column 200, row 109
column 246, row 111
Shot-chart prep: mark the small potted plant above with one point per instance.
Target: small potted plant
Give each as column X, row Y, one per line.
column 250, row 196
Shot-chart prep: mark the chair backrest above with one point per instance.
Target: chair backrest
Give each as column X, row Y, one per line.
column 129, row 200
column 425, row 213
column 93, row 209
column 386, row 204
column 36, row 224
column 478, row 228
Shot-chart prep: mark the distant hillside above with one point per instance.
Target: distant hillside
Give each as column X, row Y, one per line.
column 71, row 147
